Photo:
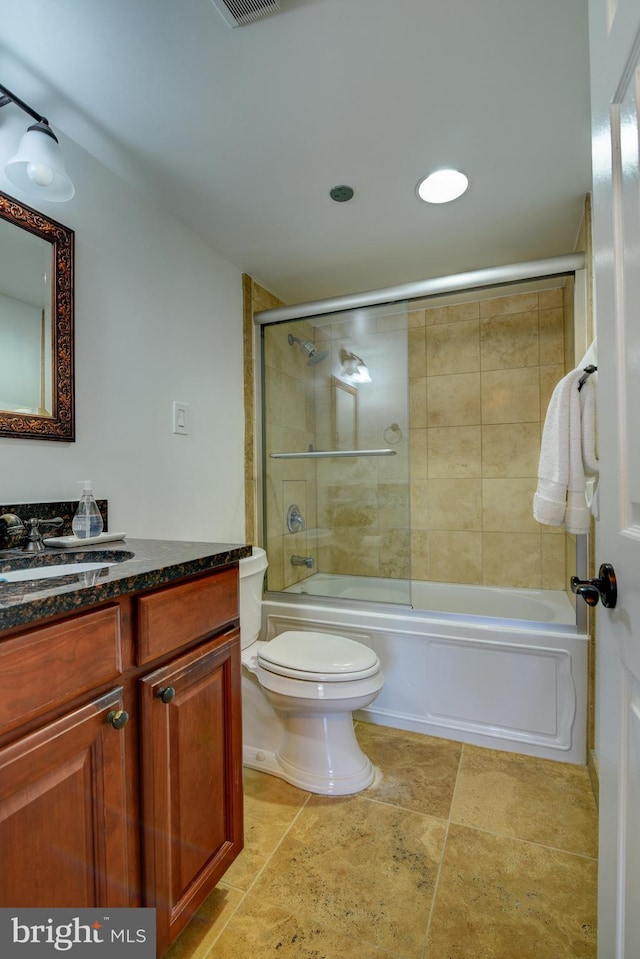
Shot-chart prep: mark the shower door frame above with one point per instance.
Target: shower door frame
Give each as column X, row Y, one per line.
column 569, row 264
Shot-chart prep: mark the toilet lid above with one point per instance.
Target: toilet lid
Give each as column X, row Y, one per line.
column 323, row 657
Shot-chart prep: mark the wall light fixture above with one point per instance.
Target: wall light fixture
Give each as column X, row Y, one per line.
column 354, row 368
column 38, row 167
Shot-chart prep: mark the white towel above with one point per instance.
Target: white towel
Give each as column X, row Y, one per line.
column 569, row 452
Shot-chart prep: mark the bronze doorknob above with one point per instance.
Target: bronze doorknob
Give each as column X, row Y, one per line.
column 604, row 587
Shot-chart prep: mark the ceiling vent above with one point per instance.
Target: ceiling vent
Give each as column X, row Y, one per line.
column 237, row 13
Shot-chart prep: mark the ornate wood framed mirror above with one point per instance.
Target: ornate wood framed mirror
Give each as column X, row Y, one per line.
column 37, row 397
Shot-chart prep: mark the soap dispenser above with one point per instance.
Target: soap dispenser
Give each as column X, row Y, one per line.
column 88, row 518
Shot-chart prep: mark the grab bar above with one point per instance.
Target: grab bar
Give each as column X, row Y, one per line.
column 318, row 454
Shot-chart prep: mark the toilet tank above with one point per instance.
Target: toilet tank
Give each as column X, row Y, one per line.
column 251, row 580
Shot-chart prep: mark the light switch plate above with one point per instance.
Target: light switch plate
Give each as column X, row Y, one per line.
column 180, row 417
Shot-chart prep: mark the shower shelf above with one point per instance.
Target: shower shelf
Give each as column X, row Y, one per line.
column 318, row 454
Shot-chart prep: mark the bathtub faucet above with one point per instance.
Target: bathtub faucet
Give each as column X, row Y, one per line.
column 302, row 561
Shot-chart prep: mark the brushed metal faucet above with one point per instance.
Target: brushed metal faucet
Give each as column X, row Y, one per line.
column 34, row 542
column 302, row 561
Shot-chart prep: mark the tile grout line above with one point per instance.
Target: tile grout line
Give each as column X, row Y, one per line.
column 528, row 842
column 440, row 864
column 277, row 846
column 245, row 892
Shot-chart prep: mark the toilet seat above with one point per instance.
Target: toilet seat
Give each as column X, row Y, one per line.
column 318, row 657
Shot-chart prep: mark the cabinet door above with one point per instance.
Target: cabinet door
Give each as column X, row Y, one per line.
column 191, row 751
column 62, row 802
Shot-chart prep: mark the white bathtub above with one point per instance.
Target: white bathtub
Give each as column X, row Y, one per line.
column 533, row 605
column 493, row 667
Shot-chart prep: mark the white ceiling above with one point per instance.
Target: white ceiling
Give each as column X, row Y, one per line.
column 242, row 132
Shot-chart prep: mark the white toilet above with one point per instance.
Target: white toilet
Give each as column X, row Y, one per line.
column 298, row 694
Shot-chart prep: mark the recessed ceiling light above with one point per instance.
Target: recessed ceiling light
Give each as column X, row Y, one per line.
column 442, row 186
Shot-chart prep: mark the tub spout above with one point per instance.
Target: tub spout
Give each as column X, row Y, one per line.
column 302, row 561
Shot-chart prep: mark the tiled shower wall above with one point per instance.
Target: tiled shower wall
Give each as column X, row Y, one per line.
column 481, row 375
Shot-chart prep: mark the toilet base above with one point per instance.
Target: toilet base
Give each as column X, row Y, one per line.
column 318, row 753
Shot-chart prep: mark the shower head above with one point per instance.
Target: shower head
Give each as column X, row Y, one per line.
column 313, row 356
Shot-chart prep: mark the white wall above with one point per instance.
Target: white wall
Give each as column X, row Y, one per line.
column 158, row 318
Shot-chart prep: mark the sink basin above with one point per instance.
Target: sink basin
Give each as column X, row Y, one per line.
column 49, row 572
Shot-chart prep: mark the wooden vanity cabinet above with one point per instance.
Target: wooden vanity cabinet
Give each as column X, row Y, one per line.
column 192, row 782
column 62, row 764
column 62, row 799
column 95, row 813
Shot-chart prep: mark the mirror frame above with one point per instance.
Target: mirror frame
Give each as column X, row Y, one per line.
column 61, row 424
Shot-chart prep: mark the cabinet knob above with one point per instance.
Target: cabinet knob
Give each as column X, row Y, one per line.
column 166, row 694
column 118, row 718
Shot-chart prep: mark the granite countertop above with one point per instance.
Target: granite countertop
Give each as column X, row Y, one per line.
column 138, row 564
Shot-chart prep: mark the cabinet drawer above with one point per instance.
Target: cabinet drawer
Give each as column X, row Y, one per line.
column 181, row 614
column 53, row 664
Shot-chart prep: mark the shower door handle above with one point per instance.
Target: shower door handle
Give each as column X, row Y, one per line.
column 604, row 587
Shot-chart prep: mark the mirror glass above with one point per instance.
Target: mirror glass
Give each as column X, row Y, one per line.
column 344, row 415
column 36, row 324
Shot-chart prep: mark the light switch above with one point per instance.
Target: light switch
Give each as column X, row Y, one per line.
column 180, row 411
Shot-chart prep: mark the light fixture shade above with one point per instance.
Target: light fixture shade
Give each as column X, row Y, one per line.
column 38, row 168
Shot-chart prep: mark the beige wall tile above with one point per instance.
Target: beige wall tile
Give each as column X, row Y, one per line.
column 552, row 337
column 509, row 342
column 418, row 402
column 454, row 451
column 416, row 318
column 511, row 396
column 419, row 492
column 510, row 449
column 513, row 303
column 454, row 504
column 548, row 299
column 453, row 400
column 418, row 454
column 395, row 553
column 511, row 559
column 355, row 505
column 356, row 552
column 507, row 505
column 456, row 313
column 455, row 557
column 419, row 554
column 453, row 348
column 393, row 500
column 553, row 562
column 417, row 352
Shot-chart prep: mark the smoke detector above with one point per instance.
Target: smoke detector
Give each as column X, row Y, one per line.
column 237, row 13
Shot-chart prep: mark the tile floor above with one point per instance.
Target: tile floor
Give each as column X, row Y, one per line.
column 455, row 852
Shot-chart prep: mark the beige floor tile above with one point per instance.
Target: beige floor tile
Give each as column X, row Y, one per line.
column 197, row 938
column 261, row 931
column 416, row 772
column 361, row 868
column 500, row 898
column 538, row 800
column 270, row 806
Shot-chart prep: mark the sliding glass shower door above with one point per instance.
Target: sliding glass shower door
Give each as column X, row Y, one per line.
column 336, row 503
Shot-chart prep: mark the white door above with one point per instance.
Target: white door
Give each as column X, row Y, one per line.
column 615, row 92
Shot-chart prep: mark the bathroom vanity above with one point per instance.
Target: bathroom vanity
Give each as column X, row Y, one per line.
column 120, row 729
